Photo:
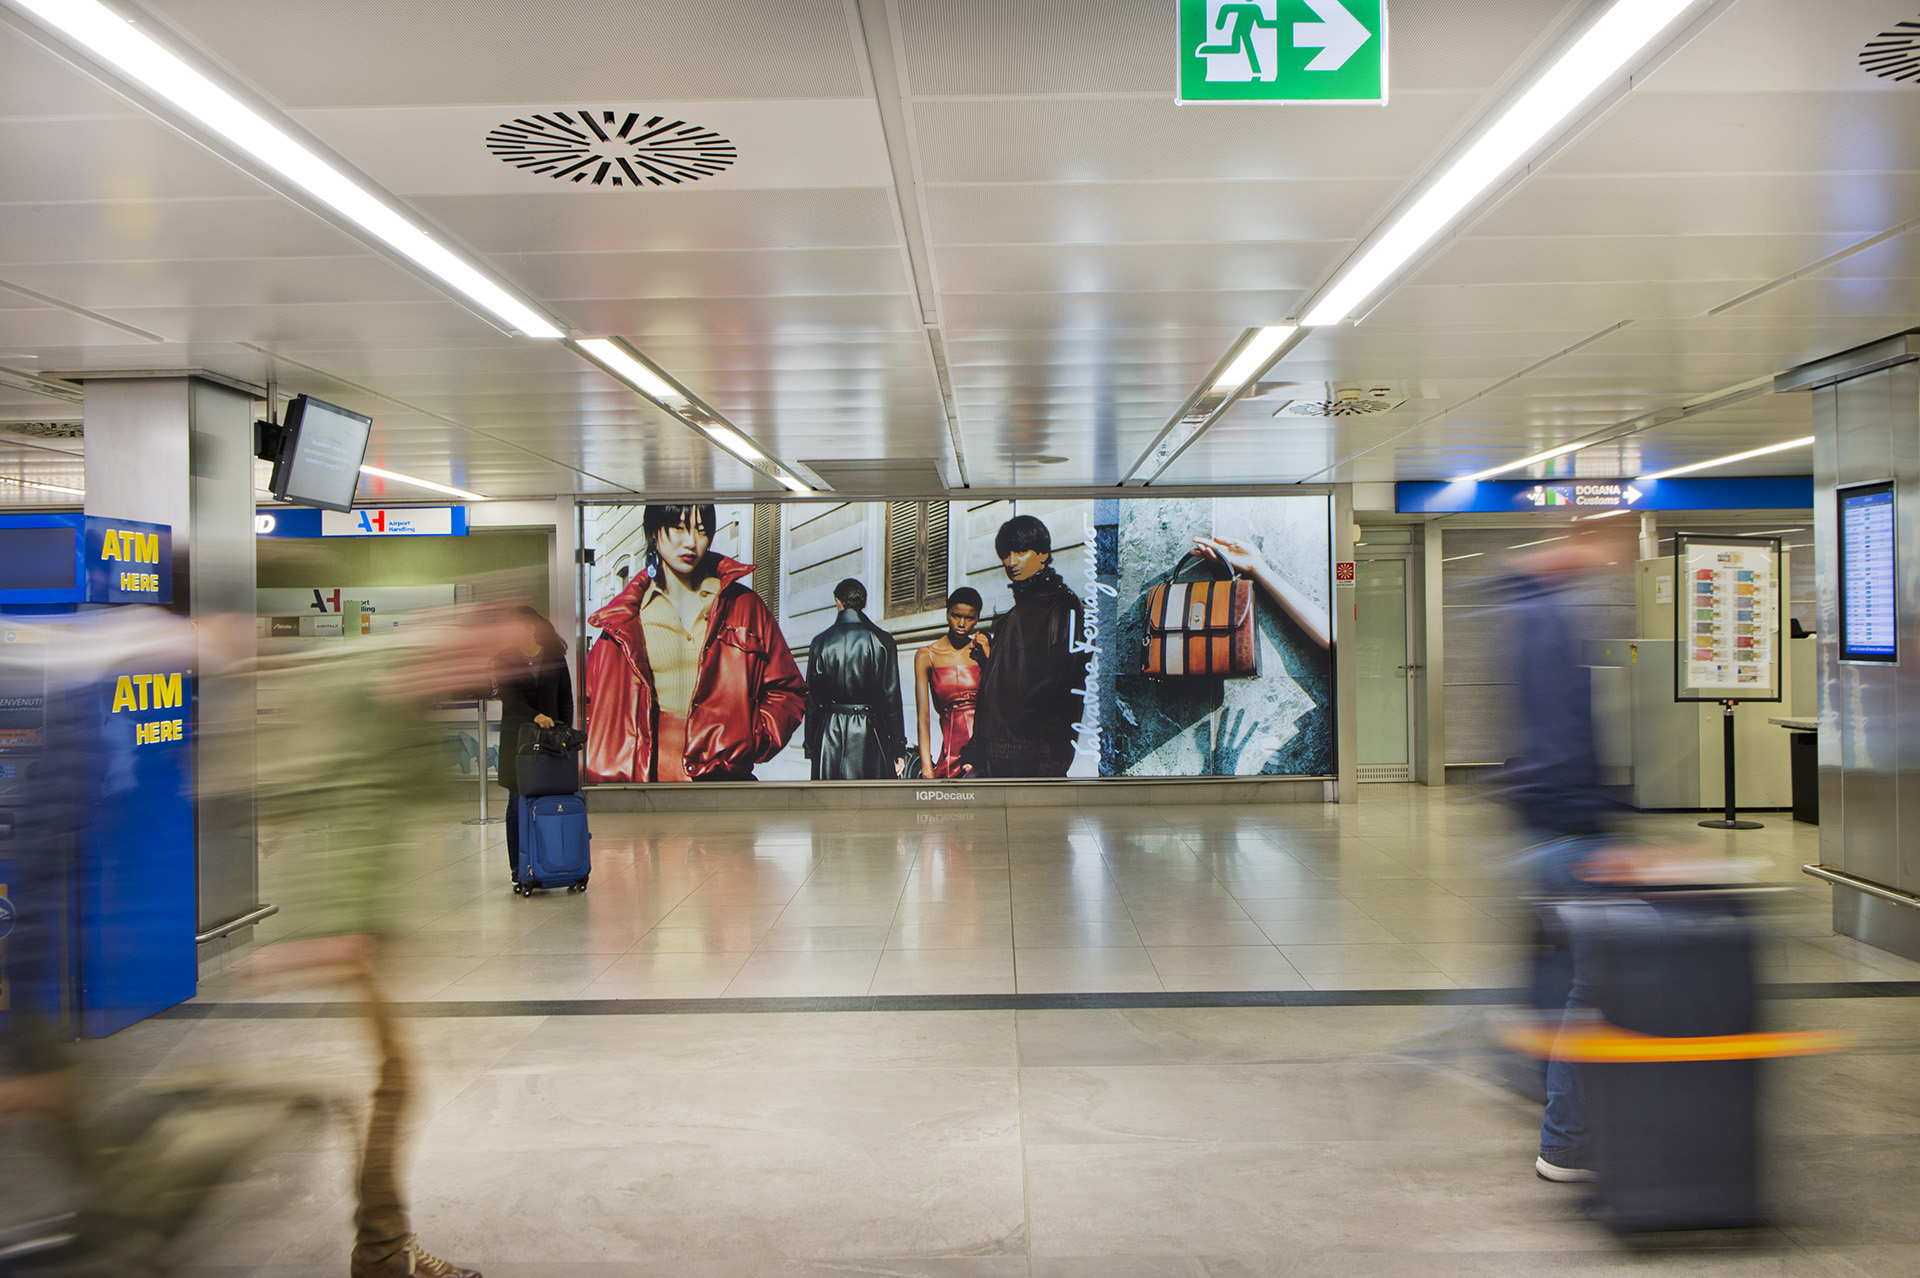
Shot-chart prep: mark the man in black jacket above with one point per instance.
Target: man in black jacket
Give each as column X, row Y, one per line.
column 856, row 730
column 1035, row 684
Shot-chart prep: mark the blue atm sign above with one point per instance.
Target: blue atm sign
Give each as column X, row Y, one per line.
column 1594, row 496
column 74, row 559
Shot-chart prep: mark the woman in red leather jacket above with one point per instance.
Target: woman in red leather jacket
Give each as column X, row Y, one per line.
column 691, row 679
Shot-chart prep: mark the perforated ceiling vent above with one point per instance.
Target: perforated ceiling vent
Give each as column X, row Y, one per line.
column 43, row 430
column 612, row 148
column 1346, row 401
column 1895, row 54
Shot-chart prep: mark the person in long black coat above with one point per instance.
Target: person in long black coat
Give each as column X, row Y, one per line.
column 856, row 728
column 534, row 688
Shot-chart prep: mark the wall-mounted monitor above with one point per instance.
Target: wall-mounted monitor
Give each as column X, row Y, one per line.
column 1869, row 615
column 321, row 447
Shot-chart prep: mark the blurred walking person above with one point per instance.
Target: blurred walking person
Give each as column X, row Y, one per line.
column 360, row 756
column 535, row 687
column 1554, row 788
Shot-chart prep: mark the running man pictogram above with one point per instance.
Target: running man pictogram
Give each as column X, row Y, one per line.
column 1244, row 19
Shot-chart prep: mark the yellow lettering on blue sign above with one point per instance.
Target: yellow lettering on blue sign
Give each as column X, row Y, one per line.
column 139, row 548
column 149, row 692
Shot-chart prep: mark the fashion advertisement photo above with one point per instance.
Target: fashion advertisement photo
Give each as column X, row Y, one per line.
column 942, row 641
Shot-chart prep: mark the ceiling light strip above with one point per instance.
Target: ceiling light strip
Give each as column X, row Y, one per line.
column 1601, row 52
column 1727, row 460
column 1257, row 350
column 121, row 45
column 629, row 366
column 1739, row 393
column 417, row 482
column 52, row 488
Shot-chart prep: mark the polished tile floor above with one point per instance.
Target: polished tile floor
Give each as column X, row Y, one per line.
column 1144, row 1143
column 1403, row 890
column 576, row 1136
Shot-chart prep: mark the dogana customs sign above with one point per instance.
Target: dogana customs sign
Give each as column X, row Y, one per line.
column 1283, row 51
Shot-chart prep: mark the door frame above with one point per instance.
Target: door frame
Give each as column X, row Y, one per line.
column 1412, row 560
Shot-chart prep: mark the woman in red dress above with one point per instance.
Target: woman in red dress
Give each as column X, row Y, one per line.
column 946, row 674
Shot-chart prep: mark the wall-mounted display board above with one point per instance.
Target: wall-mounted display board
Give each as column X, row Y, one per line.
column 1727, row 618
column 1038, row 638
column 1869, row 617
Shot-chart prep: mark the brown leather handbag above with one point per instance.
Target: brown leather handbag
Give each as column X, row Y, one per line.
column 1200, row 627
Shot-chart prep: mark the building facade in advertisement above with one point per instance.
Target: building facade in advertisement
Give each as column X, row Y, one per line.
column 723, row 639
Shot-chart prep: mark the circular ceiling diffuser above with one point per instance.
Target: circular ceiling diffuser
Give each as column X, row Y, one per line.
column 1337, row 408
column 1895, row 54
column 612, row 148
column 44, row 430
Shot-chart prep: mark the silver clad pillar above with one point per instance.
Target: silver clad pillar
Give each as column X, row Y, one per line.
column 1866, row 413
column 178, row 450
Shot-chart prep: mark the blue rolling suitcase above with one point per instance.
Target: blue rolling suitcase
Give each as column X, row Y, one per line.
column 556, row 849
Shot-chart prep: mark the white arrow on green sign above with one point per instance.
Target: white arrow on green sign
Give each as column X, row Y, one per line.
column 1283, row 50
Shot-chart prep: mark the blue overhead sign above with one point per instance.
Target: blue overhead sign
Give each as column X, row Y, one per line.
column 1592, row 496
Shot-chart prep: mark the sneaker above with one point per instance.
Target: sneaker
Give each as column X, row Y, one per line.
column 409, row 1261
column 1560, row 1175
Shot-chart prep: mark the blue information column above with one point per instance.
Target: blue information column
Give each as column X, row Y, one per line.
column 96, row 772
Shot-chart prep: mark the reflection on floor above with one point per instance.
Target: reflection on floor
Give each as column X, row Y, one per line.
column 1235, row 1143
column 1402, row 890
column 1147, row 1142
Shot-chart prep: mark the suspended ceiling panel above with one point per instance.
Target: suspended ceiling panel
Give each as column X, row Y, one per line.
column 1086, row 249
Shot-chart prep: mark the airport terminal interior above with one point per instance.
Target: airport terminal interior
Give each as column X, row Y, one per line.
column 1204, row 638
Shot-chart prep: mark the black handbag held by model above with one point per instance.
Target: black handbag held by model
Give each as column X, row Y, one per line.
column 547, row 761
column 1672, row 1144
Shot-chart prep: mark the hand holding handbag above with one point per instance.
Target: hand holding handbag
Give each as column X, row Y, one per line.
column 546, row 761
column 1200, row 627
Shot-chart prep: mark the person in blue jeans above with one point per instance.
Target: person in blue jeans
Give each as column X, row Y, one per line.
column 1554, row 788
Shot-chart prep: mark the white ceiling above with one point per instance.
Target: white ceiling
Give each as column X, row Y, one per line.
column 1086, row 249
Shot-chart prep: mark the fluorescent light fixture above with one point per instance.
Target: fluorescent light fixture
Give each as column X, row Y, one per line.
column 734, row 442
column 397, row 477
column 52, row 488
column 1457, row 558
column 1616, row 39
column 1543, row 541
column 615, row 359
column 1729, row 460
column 1258, row 350
column 1522, row 464
column 1609, row 514
column 620, row 361
column 123, row 46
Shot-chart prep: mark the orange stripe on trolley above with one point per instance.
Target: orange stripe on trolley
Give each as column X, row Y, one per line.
column 1609, row 1044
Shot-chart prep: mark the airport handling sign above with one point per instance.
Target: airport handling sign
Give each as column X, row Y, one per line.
column 1283, row 51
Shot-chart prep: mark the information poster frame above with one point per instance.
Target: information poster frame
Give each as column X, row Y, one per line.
column 1712, row 600
column 1851, row 651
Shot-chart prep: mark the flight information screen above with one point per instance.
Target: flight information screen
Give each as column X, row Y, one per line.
column 1869, row 620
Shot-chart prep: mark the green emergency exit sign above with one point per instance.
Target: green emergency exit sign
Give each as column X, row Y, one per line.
column 1283, row 50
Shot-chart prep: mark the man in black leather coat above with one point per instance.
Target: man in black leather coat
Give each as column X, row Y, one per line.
column 1035, row 684
column 856, row 729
